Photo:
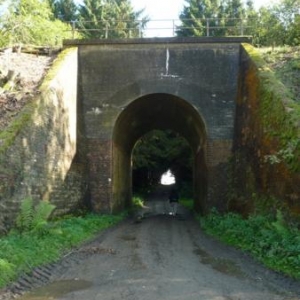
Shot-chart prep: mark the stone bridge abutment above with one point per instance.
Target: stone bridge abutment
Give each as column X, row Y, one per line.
column 127, row 88
column 72, row 144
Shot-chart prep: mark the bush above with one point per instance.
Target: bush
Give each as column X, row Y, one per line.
column 269, row 240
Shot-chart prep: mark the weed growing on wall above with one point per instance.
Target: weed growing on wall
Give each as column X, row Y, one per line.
column 268, row 239
column 279, row 112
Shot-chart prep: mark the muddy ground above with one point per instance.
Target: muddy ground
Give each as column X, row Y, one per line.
column 162, row 257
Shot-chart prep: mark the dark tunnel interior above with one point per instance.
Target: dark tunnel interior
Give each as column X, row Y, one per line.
column 162, row 112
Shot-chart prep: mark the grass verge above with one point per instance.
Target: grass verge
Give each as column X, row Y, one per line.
column 20, row 253
column 269, row 240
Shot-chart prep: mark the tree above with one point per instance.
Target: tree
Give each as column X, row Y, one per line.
column 195, row 16
column 294, row 32
column 212, row 18
column 288, row 12
column 31, row 22
column 65, row 10
column 269, row 29
column 277, row 24
column 110, row 19
column 159, row 151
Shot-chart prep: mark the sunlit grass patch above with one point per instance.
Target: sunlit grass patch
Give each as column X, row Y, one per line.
column 269, row 240
column 137, row 202
column 20, row 253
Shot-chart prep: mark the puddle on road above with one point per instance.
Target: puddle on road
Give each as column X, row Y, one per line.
column 224, row 266
column 128, row 238
column 57, row 289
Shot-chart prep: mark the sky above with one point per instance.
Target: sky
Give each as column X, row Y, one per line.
column 168, row 10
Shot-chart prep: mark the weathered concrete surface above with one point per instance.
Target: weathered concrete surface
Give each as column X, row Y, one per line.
column 73, row 143
column 128, row 88
column 37, row 150
column 265, row 127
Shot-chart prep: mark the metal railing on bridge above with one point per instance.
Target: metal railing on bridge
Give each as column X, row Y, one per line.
column 159, row 28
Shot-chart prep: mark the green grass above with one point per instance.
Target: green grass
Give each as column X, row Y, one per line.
column 20, row 253
column 187, row 202
column 285, row 63
column 137, row 201
column 270, row 241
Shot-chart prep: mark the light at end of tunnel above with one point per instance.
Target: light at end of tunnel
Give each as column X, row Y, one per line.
column 167, row 178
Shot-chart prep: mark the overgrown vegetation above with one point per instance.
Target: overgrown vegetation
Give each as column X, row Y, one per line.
column 34, row 218
column 266, row 236
column 268, row 239
column 280, row 111
column 285, row 63
column 31, row 22
column 276, row 24
column 35, row 241
column 48, row 22
column 137, row 202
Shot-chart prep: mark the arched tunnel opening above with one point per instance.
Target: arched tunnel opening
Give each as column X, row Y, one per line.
column 164, row 112
column 162, row 158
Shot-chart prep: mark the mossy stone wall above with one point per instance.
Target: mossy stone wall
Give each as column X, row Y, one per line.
column 37, row 150
column 265, row 163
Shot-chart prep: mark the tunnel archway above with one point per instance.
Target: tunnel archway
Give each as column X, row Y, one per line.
column 160, row 157
column 157, row 111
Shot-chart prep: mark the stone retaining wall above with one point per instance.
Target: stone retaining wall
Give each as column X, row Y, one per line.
column 37, row 150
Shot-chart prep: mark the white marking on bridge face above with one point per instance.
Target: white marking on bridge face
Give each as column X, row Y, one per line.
column 95, row 111
column 167, row 66
column 167, row 61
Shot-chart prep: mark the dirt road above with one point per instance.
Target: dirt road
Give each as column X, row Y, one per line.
column 163, row 257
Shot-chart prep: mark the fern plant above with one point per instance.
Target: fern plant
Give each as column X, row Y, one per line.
column 34, row 218
column 40, row 218
column 24, row 219
column 7, row 271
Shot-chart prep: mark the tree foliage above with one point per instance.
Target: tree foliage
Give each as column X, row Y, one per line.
column 213, row 17
column 277, row 24
column 31, row 22
column 48, row 22
column 159, row 151
column 65, row 10
column 110, row 18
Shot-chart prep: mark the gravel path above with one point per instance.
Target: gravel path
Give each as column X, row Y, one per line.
column 162, row 257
